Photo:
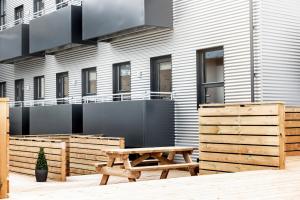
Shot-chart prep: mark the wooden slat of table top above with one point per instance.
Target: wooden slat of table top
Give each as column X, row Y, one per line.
column 149, row 150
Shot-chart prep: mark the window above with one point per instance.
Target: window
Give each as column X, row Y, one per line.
column 89, row 81
column 19, row 14
column 211, row 76
column 38, row 7
column 39, row 87
column 62, row 85
column 3, row 89
column 161, row 74
column 19, row 90
column 2, row 12
column 61, row 4
column 122, row 80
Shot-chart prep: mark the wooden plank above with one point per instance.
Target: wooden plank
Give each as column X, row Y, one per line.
column 292, row 124
column 98, row 141
column 54, row 169
column 87, row 157
column 150, row 150
column 92, row 146
column 241, row 159
column 88, row 151
column 255, row 110
column 292, row 147
column 56, row 163
column 241, row 121
column 231, row 167
column 292, row 109
column 292, row 116
column 36, row 143
column 240, row 130
column 162, row 167
column 35, row 149
column 82, row 166
column 32, row 155
column 292, row 131
column 240, row 139
column 119, row 172
column 293, row 153
column 239, row 149
column 293, row 139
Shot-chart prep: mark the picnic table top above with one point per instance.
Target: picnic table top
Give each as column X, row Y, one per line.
column 149, row 150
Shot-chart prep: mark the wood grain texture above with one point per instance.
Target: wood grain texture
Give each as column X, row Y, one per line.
column 292, row 130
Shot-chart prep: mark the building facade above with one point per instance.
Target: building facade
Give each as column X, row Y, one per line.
column 197, row 51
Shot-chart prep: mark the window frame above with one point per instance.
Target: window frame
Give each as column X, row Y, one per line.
column 84, row 81
column 154, row 85
column 22, row 14
column 38, row 87
column 61, row 4
column 58, row 77
column 22, row 91
column 2, row 12
column 3, row 89
column 201, row 85
column 36, row 9
column 116, row 77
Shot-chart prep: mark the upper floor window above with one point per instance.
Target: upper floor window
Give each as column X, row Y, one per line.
column 161, row 75
column 19, row 14
column 19, row 90
column 211, row 76
column 122, row 80
column 2, row 12
column 39, row 87
column 89, row 81
column 61, row 4
column 3, row 89
column 38, row 7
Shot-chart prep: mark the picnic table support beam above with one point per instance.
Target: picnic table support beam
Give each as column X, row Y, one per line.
column 187, row 158
column 110, row 163
column 165, row 173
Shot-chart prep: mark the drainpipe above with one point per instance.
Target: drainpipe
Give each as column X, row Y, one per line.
column 251, row 50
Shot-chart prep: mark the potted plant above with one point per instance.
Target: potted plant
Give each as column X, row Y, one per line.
column 41, row 169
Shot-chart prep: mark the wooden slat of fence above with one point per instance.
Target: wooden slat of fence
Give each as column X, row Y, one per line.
column 4, row 139
column 292, row 123
column 241, row 137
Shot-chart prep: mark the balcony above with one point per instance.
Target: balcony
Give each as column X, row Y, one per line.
column 56, row 31
column 14, row 43
column 106, row 19
column 146, row 121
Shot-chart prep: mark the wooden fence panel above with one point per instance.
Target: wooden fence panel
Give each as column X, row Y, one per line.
column 292, row 123
column 4, row 139
column 241, row 137
column 85, row 151
column 24, row 152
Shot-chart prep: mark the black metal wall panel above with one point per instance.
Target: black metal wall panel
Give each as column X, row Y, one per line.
column 58, row 119
column 57, row 29
column 142, row 123
column 14, row 43
column 106, row 17
column 19, row 121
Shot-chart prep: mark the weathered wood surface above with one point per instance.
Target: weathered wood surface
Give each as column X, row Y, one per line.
column 149, row 150
column 4, row 139
column 242, row 137
column 24, row 153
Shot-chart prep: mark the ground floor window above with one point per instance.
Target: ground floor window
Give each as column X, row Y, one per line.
column 122, row 80
column 161, row 74
column 89, row 81
column 19, row 90
column 3, row 89
column 39, row 87
column 211, row 76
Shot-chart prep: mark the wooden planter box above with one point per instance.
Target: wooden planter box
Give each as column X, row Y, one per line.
column 241, row 137
column 292, row 124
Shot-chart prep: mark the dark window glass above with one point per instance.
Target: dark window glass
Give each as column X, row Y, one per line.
column 122, row 78
column 62, row 83
column 2, row 12
column 19, row 90
column 39, row 87
column 3, row 89
column 38, row 7
column 161, row 74
column 61, row 4
column 89, row 81
column 211, row 76
column 19, row 14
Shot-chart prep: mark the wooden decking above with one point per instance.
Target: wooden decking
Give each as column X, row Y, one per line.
column 271, row 184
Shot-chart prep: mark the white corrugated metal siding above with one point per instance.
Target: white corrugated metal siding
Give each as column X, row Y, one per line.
column 280, row 43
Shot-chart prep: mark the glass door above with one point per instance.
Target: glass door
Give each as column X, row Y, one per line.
column 62, row 84
column 19, row 90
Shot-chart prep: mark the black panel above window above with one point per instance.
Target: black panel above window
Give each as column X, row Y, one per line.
column 89, row 81
column 161, row 74
column 39, row 87
column 211, row 76
column 2, row 89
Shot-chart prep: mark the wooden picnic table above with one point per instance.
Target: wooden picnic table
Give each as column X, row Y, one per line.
column 131, row 169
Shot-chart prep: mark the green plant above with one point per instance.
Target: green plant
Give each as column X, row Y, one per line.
column 41, row 163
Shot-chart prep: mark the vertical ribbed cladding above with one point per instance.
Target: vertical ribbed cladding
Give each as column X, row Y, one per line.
column 281, row 50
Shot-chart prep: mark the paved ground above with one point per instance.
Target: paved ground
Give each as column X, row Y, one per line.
column 272, row 185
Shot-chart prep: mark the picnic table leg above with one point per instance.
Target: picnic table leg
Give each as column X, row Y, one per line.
column 127, row 165
column 165, row 172
column 110, row 163
column 187, row 158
